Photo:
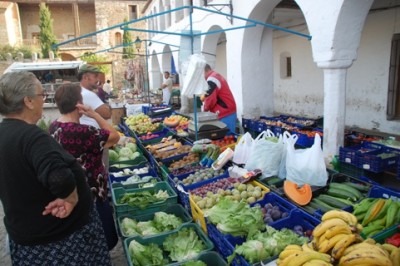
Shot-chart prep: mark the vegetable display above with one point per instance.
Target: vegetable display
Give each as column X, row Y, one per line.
column 143, row 199
column 161, row 222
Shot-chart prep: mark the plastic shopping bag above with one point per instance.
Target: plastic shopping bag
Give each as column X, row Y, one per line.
column 288, row 139
column 266, row 154
column 306, row 166
column 242, row 149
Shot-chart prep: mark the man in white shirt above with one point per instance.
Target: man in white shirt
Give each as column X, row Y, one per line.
column 88, row 76
column 107, row 87
column 166, row 87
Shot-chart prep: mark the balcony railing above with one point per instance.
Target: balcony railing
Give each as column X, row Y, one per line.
column 84, row 42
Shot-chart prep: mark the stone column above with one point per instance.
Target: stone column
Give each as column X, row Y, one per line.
column 75, row 13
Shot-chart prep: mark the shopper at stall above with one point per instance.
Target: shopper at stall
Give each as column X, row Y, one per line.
column 166, row 87
column 87, row 143
column 48, row 207
column 219, row 98
column 88, row 76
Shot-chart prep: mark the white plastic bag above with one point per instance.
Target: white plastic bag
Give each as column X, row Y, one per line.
column 194, row 82
column 306, row 166
column 242, row 149
column 265, row 154
column 288, row 139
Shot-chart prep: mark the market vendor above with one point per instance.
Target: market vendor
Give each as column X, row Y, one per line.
column 219, row 98
column 166, row 87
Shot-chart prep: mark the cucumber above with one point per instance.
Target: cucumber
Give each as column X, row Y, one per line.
column 322, row 205
column 340, row 193
column 358, row 186
column 309, row 209
column 347, row 188
column 332, row 201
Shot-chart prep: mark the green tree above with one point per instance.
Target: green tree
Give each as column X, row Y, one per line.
column 128, row 51
column 46, row 36
column 91, row 57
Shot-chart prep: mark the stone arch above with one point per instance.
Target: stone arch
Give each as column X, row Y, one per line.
column 154, row 71
column 214, row 50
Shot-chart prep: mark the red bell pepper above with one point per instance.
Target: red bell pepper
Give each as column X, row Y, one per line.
column 394, row 240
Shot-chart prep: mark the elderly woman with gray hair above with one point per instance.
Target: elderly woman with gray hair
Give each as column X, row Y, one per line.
column 49, row 211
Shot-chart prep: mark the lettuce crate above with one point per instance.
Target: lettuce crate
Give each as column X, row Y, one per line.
column 141, row 159
column 175, row 209
column 122, row 208
column 210, row 258
column 159, row 239
column 198, row 214
column 295, row 218
column 117, row 175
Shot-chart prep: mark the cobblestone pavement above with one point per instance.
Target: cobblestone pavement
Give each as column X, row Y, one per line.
column 117, row 254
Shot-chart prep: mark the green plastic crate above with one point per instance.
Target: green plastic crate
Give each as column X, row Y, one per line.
column 175, row 209
column 210, row 258
column 159, row 239
column 118, row 192
column 141, row 159
column 380, row 238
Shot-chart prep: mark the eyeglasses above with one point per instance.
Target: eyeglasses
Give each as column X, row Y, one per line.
column 44, row 95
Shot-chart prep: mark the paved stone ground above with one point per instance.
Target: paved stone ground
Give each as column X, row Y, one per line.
column 117, row 254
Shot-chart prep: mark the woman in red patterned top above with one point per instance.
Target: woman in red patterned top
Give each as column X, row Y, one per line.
column 86, row 143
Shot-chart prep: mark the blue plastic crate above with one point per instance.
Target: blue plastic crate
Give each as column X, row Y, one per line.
column 246, row 123
column 381, row 192
column 351, row 154
column 164, row 132
column 374, row 163
column 183, row 191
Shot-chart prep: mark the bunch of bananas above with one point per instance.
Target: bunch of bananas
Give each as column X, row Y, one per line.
column 337, row 231
column 295, row 255
column 377, row 214
column 369, row 253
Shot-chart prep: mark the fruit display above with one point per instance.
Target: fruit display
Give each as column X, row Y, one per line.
column 199, row 175
column 377, row 214
column 191, row 158
column 272, row 213
column 163, row 154
column 337, row 241
column 300, row 195
column 186, row 169
column 224, row 142
column 141, row 123
column 208, row 195
column 149, row 136
column 178, row 122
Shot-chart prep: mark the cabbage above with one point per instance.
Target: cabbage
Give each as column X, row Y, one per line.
column 113, row 155
column 131, row 146
column 142, row 255
column 126, row 152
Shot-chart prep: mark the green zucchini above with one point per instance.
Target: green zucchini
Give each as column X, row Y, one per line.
column 358, row 186
column 341, row 186
column 322, row 206
column 332, row 201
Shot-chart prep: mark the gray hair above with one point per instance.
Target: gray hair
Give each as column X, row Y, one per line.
column 14, row 87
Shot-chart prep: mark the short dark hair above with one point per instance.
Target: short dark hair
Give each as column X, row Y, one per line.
column 167, row 72
column 207, row 67
column 67, row 97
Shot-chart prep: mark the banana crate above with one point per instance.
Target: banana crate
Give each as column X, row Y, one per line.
column 159, row 240
column 198, row 214
column 123, row 208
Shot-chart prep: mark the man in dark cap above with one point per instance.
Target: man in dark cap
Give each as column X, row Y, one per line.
column 88, row 75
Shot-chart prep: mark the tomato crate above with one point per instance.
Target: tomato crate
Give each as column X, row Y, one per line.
column 380, row 160
column 159, row 240
column 175, row 209
column 198, row 214
column 122, row 208
column 351, row 154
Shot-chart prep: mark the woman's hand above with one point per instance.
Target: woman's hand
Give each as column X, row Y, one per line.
column 62, row 208
column 86, row 110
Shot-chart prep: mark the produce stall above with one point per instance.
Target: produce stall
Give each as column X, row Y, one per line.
column 168, row 194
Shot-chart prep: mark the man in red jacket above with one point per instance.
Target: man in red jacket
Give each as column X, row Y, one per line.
column 219, row 98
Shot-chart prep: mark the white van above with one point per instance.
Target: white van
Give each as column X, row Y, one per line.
column 51, row 74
